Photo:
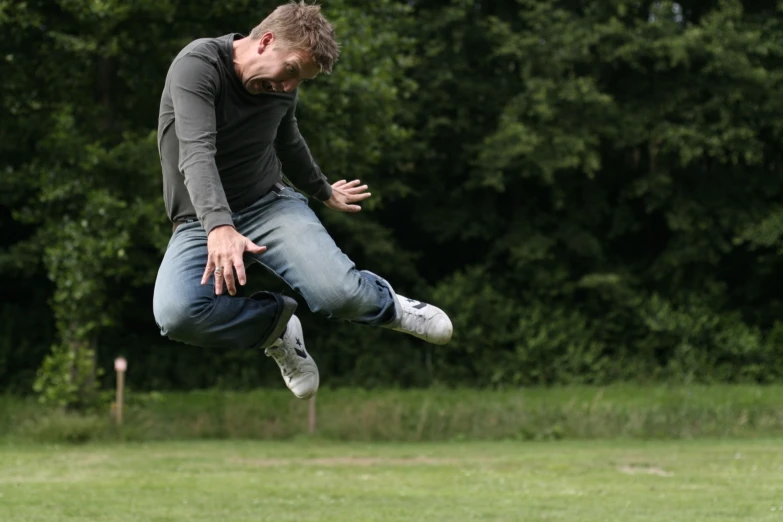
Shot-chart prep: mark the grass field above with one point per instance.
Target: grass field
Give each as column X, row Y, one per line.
column 431, row 415
column 579, row 481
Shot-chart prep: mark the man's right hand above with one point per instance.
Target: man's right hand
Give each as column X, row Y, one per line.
column 226, row 247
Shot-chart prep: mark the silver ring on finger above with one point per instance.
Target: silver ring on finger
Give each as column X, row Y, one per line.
column 218, row 270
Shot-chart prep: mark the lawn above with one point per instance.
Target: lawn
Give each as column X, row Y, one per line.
column 318, row 481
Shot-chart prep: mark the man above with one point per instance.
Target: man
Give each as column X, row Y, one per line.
column 227, row 132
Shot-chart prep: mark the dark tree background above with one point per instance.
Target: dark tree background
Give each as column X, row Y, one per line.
column 593, row 190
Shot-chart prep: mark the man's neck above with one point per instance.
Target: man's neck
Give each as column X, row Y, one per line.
column 241, row 48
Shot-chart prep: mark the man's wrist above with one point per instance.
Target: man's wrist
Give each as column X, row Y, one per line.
column 324, row 193
column 220, row 229
column 216, row 219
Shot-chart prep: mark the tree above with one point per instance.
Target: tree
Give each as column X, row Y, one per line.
column 83, row 168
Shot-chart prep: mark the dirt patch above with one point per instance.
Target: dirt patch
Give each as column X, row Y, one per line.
column 348, row 461
column 645, row 470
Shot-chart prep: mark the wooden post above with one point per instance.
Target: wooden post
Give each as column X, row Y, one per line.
column 311, row 406
column 120, row 365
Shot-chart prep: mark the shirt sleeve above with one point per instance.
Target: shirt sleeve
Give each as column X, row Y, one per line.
column 298, row 163
column 194, row 86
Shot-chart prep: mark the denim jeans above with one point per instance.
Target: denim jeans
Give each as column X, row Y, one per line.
column 299, row 251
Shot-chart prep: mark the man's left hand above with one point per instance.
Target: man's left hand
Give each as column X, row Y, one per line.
column 345, row 195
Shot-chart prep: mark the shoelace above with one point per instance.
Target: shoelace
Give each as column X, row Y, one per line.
column 416, row 321
column 281, row 357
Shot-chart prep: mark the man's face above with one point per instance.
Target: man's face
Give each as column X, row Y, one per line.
column 276, row 69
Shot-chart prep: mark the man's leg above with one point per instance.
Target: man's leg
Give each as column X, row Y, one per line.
column 189, row 312
column 303, row 254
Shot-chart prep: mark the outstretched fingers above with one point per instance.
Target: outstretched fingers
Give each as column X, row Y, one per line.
column 344, row 185
column 208, row 271
column 229, row 270
column 221, row 273
column 358, row 197
column 355, row 190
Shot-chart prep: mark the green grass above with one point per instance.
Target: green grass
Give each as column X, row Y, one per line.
column 641, row 412
column 626, row 481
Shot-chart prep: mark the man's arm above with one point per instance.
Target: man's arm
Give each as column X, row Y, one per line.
column 298, row 163
column 194, row 86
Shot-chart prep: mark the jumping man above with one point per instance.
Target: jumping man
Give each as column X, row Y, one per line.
column 227, row 132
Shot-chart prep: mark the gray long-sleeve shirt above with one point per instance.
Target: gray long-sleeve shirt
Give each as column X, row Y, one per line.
column 222, row 148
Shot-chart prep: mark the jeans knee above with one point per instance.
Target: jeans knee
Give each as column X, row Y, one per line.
column 178, row 319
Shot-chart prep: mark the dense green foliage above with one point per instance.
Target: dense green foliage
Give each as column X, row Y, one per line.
column 591, row 189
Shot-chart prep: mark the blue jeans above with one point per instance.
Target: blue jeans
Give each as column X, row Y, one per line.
column 299, row 250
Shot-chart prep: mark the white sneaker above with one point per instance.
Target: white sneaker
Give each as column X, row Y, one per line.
column 423, row 320
column 299, row 370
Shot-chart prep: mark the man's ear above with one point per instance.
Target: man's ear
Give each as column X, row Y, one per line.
column 265, row 41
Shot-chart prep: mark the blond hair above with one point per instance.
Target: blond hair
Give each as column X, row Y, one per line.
column 301, row 26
